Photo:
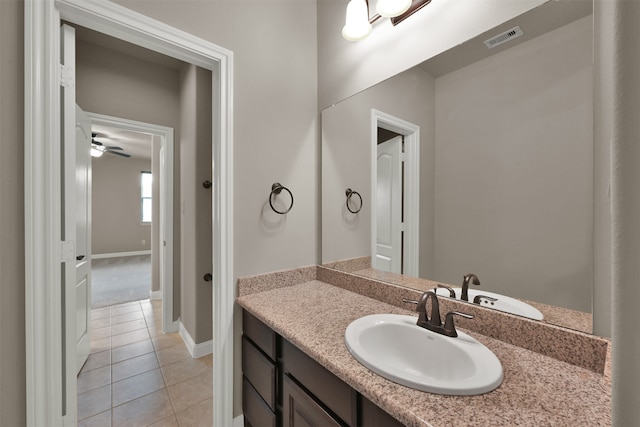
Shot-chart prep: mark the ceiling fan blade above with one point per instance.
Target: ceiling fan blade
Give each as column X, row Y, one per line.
column 118, row 153
column 113, row 147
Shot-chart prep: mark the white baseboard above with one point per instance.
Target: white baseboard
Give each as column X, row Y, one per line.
column 174, row 327
column 155, row 295
column 120, row 254
column 238, row 421
column 195, row 350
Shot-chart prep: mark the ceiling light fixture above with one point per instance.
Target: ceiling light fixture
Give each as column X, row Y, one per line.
column 358, row 24
column 96, row 152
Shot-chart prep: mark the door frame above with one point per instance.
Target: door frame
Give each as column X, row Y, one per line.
column 166, row 216
column 44, row 250
column 411, row 132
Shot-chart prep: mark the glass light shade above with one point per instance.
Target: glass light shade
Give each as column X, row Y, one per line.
column 392, row 8
column 357, row 25
column 95, row 152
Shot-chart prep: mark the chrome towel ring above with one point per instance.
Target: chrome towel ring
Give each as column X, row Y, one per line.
column 276, row 189
column 350, row 193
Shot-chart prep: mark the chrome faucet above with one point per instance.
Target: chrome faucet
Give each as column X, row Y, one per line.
column 467, row 280
column 433, row 322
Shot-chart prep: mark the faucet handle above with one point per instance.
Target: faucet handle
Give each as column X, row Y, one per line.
column 452, row 293
column 478, row 298
column 449, row 326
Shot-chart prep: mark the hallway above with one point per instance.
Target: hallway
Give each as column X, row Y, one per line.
column 138, row 376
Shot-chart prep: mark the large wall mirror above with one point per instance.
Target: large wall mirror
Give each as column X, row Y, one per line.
column 493, row 168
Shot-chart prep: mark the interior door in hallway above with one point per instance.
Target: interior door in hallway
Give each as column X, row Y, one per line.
column 83, row 237
column 388, row 256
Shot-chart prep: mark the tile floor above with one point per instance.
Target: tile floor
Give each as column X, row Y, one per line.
column 138, row 376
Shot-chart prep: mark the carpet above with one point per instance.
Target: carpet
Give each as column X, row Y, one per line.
column 119, row 280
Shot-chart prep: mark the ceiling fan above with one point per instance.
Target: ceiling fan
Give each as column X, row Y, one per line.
column 98, row 148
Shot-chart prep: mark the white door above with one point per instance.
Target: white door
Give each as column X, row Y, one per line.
column 68, row 214
column 388, row 256
column 83, row 237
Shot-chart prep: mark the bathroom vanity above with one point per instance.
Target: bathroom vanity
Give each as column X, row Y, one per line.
column 296, row 365
column 282, row 385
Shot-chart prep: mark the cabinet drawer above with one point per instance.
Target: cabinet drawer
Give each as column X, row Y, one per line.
column 326, row 387
column 263, row 337
column 260, row 371
column 256, row 412
column 299, row 409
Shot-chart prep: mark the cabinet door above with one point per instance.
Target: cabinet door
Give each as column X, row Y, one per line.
column 300, row 410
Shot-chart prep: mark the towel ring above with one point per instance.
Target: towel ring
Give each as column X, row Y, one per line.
column 350, row 193
column 276, row 189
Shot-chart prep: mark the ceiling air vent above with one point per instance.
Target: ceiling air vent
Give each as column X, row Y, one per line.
column 511, row 34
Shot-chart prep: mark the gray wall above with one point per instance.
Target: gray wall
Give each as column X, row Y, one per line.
column 195, row 222
column 514, row 170
column 12, row 303
column 116, row 208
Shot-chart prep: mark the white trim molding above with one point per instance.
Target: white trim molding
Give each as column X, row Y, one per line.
column 155, row 295
column 120, row 254
column 411, row 134
column 43, row 298
column 195, row 350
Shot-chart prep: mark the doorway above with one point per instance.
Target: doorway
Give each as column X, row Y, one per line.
column 395, row 186
column 45, row 254
column 163, row 247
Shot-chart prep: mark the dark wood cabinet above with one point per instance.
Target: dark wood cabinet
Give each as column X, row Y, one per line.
column 282, row 386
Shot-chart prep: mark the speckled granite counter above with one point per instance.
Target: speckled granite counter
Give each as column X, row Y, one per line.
column 537, row 390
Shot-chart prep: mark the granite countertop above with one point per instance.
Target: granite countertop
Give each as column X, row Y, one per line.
column 537, row 390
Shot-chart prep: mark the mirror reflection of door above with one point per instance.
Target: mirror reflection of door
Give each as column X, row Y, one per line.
column 389, row 203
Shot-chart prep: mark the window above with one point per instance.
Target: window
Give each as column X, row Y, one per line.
column 145, row 181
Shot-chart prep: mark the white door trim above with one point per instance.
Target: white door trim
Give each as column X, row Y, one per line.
column 167, row 142
column 43, row 250
column 411, row 185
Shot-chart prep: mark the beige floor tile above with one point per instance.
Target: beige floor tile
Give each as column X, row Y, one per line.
column 131, row 350
column 153, row 321
column 183, row 370
column 136, row 386
column 93, row 379
column 100, row 313
column 167, row 340
column 167, row 422
column 101, row 344
column 134, row 366
column 100, row 323
column 199, row 415
column 129, row 338
column 97, row 360
column 127, row 317
column 94, row 402
column 187, row 393
column 133, row 325
column 154, row 331
column 144, row 410
column 208, row 359
column 123, row 309
column 172, row 354
column 103, row 419
column 100, row 333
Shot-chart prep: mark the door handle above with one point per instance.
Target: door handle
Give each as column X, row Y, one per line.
column 80, row 257
column 207, row 277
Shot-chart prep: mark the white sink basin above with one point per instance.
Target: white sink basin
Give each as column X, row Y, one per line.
column 503, row 303
column 394, row 347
